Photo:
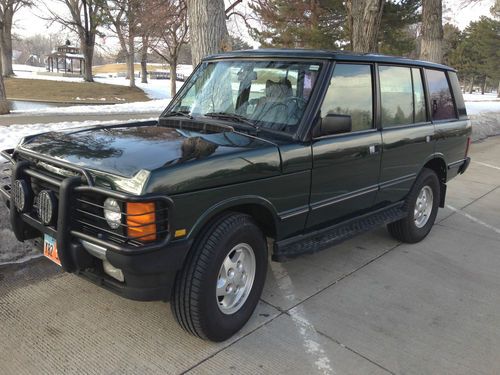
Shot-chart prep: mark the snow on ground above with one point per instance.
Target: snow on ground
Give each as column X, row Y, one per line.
column 126, row 108
column 477, row 103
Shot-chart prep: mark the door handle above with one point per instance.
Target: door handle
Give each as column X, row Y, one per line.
column 374, row 149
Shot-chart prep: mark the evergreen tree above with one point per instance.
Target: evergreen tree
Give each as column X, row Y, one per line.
column 477, row 54
column 398, row 27
column 300, row 23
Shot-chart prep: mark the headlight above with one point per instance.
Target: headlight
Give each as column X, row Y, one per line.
column 112, row 213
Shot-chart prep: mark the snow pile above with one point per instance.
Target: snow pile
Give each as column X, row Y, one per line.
column 126, row 108
column 485, row 124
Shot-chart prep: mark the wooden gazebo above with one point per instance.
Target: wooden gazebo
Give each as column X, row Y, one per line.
column 67, row 60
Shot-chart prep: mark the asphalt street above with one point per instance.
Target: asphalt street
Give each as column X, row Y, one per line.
column 368, row 306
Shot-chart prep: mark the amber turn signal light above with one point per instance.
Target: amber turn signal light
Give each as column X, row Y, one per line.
column 141, row 221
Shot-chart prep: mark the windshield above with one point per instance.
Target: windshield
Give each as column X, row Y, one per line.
column 266, row 94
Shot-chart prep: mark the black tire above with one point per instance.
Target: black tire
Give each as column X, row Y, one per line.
column 194, row 302
column 406, row 230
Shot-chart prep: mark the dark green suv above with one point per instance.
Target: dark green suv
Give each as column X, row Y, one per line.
column 298, row 148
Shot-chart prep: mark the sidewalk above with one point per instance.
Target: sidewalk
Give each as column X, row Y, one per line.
column 369, row 306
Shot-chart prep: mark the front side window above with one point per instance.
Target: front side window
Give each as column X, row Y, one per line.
column 442, row 106
column 350, row 93
column 269, row 94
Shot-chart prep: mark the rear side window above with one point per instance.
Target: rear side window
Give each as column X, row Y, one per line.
column 442, row 106
column 396, row 95
column 351, row 93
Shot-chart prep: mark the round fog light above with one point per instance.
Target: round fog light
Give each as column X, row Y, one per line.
column 112, row 213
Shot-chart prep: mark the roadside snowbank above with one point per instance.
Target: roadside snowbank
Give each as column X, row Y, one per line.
column 157, row 105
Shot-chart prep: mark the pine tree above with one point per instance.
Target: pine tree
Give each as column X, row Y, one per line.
column 300, row 23
column 398, row 27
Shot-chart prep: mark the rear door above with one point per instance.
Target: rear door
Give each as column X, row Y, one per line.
column 407, row 131
column 346, row 166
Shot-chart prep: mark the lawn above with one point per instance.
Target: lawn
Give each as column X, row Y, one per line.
column 71, row 92
column 122, row 68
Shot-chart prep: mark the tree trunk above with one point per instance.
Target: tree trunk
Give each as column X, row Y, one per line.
column 144, row 59
column 208, row 31
column 4, row 106
column 6, row 43
column 431, row 47
column 364, row 18
column 130, row 60
column 88, row 53
column 483, row 86
column 173, row 79
column 471, row 89
column 498, row 89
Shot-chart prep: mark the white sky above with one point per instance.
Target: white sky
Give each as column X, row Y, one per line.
column 28, row 22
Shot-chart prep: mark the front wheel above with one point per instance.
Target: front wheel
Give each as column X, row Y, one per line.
column 218, row 289
column 422, row 206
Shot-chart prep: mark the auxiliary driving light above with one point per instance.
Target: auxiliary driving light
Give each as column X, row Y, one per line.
column 21, row 196
column 47, row 207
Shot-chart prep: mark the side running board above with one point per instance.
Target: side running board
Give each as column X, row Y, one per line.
column 323, row 238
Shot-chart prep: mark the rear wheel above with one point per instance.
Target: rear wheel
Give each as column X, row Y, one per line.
column 218, row 289
column 422, row 206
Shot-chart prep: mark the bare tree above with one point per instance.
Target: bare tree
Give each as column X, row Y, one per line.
column 170, row 33
column 7, row 10
column 123, row 15
column 85, row 18
column 208, row 31
column 4, row 105
column 431, row 47
column 363, row 17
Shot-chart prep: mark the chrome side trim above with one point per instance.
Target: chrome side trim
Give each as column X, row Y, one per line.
column 397, row 181
column 293, row 212
column 343, row 197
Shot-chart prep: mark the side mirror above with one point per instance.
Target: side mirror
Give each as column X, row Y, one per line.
column 334, row 123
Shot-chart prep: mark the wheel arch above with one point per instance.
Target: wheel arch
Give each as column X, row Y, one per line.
column 260, row 209
column 437, row 164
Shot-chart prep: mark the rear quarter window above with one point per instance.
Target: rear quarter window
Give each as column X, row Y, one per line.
column 441, row 100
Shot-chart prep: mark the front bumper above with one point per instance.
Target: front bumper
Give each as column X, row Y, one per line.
column 149, row 269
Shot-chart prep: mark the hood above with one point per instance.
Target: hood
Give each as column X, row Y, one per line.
column 126, row 151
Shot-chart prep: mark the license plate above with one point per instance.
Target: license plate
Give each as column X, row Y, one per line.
column 50, row 249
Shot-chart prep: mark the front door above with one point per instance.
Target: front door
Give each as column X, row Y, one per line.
column 346, row 166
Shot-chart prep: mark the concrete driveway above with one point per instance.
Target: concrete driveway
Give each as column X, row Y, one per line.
column 369, row 306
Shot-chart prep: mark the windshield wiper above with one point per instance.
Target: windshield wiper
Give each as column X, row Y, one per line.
column 232, row 116
column 178, row 113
